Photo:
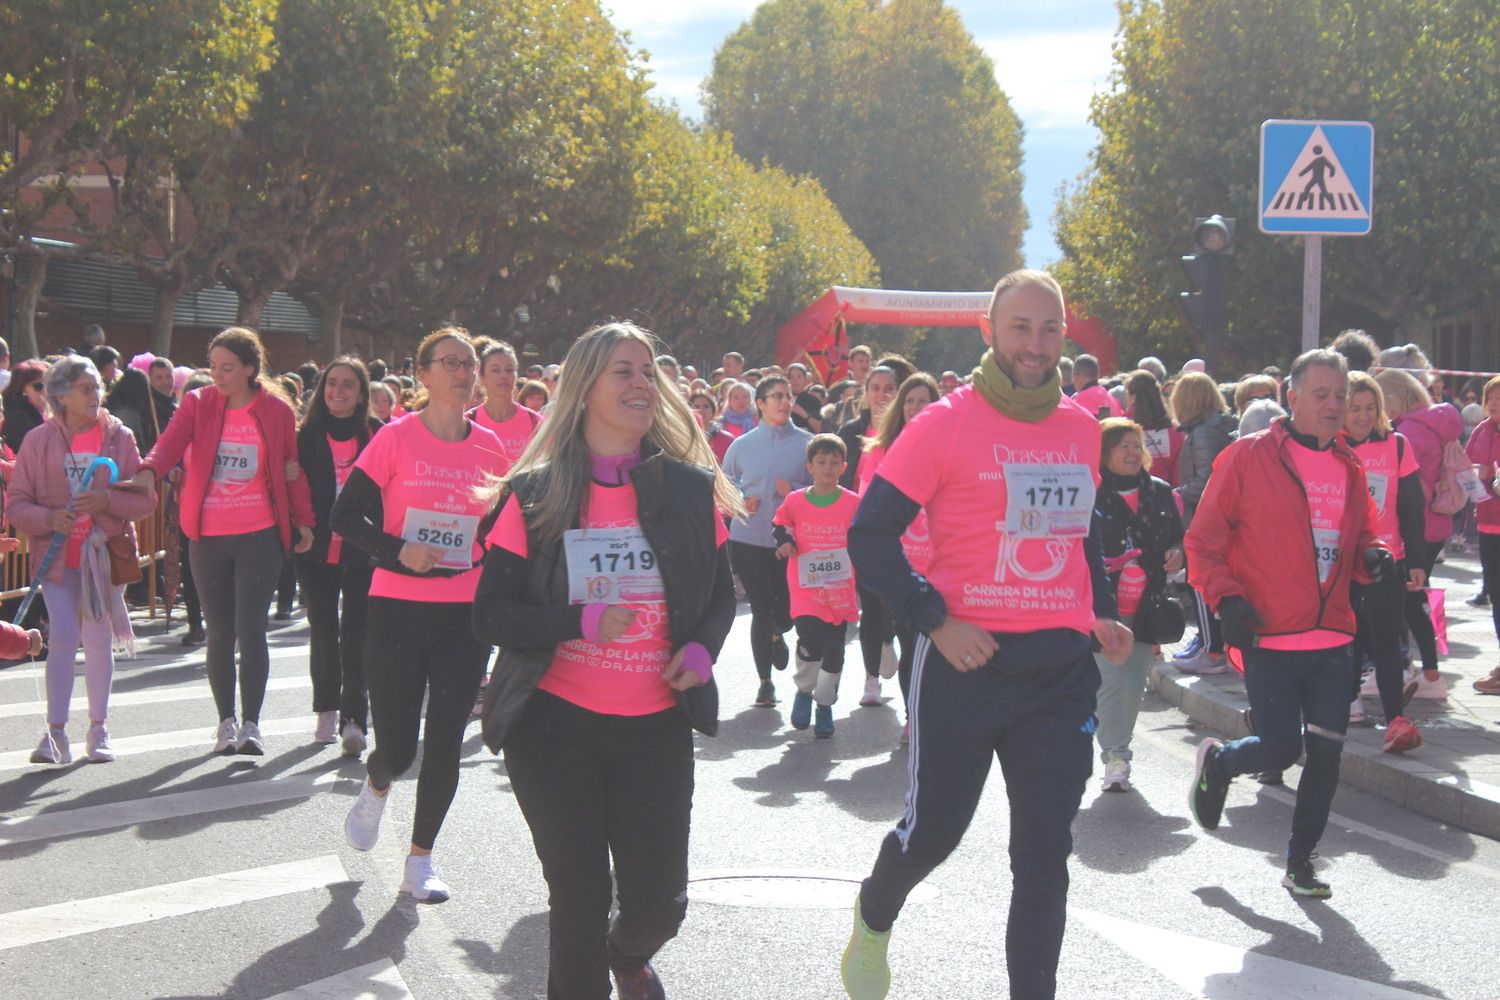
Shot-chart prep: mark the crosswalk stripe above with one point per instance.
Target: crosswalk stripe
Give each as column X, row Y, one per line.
column 1207, row 968
column 201, row 737
column 195, row 691
column 133, row 812
column 144, row 663
column 375, row 981
column 22, row 928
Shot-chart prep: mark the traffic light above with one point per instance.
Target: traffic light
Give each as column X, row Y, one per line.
column 1203, row 302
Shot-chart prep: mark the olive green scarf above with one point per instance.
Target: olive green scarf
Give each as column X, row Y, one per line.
column 1029, row 405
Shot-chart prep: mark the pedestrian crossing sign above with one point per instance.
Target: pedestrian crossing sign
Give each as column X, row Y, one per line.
column 1316, row 177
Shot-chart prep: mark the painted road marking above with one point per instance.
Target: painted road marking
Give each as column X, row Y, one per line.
column 133, row 812
column 1224, row 972
column 21, row 928
column 199, row 737
column 198, row 690
column 375, row 981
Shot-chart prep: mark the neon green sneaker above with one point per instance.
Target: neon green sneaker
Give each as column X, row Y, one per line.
column 867, row 974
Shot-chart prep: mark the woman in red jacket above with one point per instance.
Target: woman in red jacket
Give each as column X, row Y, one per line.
column 243, row 502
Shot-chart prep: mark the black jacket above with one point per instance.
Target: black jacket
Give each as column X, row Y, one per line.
column 1154, row 527
column 316, row 459
column 20, row 417
column 853, row 435
column 522, row 606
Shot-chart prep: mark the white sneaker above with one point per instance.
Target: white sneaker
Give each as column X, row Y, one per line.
column 362, row 825
column 354, row 739
column 53, row 748
column 889, row 662
column 1357, row 712
column 421, row 882
column 1431, row 690
column 327, row 730
column 872, row 692
column 1369, row 689
column 1202, row 662
column 250, row 741
column 226, row 735
column 1116, row 776
column 97, row 742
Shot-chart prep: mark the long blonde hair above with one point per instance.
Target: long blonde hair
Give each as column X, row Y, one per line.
column 559, row 453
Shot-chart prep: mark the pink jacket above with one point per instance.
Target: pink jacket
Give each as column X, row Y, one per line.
column 40, row 485
column 1484, row 451
column 1427, row 430
column 199, row 422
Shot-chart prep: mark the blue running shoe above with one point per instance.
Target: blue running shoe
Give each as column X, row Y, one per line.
column 824, row 726
column 802, row 707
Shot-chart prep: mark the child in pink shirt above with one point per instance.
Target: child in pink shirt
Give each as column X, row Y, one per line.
column 812, row 532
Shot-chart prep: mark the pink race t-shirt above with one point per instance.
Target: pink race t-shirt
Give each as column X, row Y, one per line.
column 1096, row 399
column 344, row 454
column 514, row 434
column 85, row 448
column 609, row 561
column 820, row 576
column 1325, row 480
column 238, row 500
column 1008, row 507
column 427, row 491
column 1384, row 468
column 916, row 542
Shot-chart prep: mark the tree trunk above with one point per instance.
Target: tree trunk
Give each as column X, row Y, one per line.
column 333, row 326
column 29, row 293
column 252, row 304
column 162, row 321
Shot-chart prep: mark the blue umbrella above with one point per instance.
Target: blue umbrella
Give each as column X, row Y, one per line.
column 58, row 538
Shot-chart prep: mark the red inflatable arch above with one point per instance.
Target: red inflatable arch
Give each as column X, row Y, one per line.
column 816, row 336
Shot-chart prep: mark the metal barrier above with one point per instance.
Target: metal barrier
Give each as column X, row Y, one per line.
column 150, row 536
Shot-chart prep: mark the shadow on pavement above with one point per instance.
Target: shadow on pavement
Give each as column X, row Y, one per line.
column 521, row 960
column 1292, row 943
column 330, row 947
column 1124, row 834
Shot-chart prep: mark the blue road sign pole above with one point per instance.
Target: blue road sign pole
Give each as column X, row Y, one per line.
column 1312, row 290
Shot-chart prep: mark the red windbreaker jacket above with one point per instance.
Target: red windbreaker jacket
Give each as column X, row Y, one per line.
column 199, row 422
column 1252, row 537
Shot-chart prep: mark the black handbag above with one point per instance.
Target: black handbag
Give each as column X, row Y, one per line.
column 1158, row 621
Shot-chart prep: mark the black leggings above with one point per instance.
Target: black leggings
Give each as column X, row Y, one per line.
column 336, row 655
column 876, row 628
column 236, row 576
column 415, row 647
column 764, row 578
column 1418, row 618
column 1489, row 564
column 1377, row 608
column 592, row 787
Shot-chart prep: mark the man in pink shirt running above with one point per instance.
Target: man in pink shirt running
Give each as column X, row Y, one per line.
column 1012, row 599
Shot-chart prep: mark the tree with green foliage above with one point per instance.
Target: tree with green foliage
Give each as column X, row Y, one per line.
column 82, row 78
column 717, row 256
column 895, row 110
column 1179, row 138
column 527, row 160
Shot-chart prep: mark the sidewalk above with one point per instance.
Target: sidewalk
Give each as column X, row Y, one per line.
column 1454, row 776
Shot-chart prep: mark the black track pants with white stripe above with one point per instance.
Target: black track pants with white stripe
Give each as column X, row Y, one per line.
column 1032, row 707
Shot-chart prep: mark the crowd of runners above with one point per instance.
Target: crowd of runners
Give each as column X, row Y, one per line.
column 560, row 550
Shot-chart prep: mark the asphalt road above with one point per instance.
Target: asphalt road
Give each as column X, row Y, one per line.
column 174, row 873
